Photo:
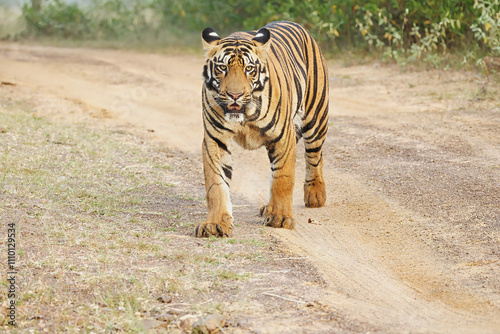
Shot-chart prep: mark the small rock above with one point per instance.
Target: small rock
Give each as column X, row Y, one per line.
column 36, row 317
column 165, row 325
column 175, row 331
column 164, row 299
column 215, row 322
column 186, row 322
column 148, row 324
column 238, row 331
column 241, row 322
column 211, row 324
column 156, row 311
column 174, row 311
column 165, row 317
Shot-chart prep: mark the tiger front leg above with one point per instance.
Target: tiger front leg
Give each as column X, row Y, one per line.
column 217, row 168
column 279, row 210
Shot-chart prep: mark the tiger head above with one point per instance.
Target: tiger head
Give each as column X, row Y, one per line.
column 235, row 71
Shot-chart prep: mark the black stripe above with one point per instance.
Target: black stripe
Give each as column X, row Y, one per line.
column 212, row 164
column 228, row 171
column 313, row 150
column 209, row 109
column 322, row 121
column 312, row 122
column 218, row 142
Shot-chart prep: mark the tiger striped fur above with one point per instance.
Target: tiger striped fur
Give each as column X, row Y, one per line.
column 266, row 87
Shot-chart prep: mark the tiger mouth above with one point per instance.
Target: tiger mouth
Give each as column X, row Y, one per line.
column 235, row 109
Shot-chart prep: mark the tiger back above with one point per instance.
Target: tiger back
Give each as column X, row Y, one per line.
column 263, row 88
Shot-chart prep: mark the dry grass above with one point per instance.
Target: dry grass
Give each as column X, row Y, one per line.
column 89, row 206
column 102, row 230
column 76, row 195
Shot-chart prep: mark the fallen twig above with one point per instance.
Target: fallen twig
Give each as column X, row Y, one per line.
column 277, row 296
column 292, row 258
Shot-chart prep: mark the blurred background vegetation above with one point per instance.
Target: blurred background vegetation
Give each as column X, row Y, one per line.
column 436, row 32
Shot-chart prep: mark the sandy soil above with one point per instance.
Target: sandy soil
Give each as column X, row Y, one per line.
column 408, row 240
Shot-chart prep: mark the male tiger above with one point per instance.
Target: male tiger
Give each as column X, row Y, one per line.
column 270, row 88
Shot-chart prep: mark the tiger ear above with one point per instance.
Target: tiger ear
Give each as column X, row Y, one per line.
column 262, row 37
column 261, row 41
column 210, row 38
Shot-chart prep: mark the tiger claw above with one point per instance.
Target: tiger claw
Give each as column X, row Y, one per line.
column 276, row 220
column 223, row 229
column 263, row 210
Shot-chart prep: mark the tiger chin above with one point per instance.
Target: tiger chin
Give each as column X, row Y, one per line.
column 263, row 88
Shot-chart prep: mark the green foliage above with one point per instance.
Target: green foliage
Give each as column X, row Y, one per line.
column 118, row 19
column 425, row 31
column 56, row 19
column 396, row 30
column 487, row 27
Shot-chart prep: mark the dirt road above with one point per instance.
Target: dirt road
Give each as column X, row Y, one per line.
column 409, row 239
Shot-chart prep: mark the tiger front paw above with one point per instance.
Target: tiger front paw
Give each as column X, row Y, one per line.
column 277, row 220
column 314, row 194
column 222, row 228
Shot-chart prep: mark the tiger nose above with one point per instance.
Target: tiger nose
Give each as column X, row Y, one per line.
column 235, row 96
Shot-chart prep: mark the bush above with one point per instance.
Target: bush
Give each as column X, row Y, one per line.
column 425, row 31
column 57, row 19
column 402, row 31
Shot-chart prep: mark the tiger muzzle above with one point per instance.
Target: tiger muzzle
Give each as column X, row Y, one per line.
column 235, row 107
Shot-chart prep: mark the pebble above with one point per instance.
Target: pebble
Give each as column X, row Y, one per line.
column 241, row 322
column 174, row 311
column 186, row 322
column 164, row 299
column 165, row 317
column 148, row 324
column 238, row 331
column 156, row 311
column 211, row 324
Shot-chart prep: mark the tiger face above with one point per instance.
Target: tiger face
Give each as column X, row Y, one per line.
column 235, row 73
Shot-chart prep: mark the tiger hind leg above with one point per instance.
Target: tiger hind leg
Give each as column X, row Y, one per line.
column 314, row 185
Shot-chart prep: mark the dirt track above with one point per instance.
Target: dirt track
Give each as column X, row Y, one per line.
column 409, row 239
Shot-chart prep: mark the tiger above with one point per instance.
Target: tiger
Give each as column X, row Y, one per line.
column 263, row 88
